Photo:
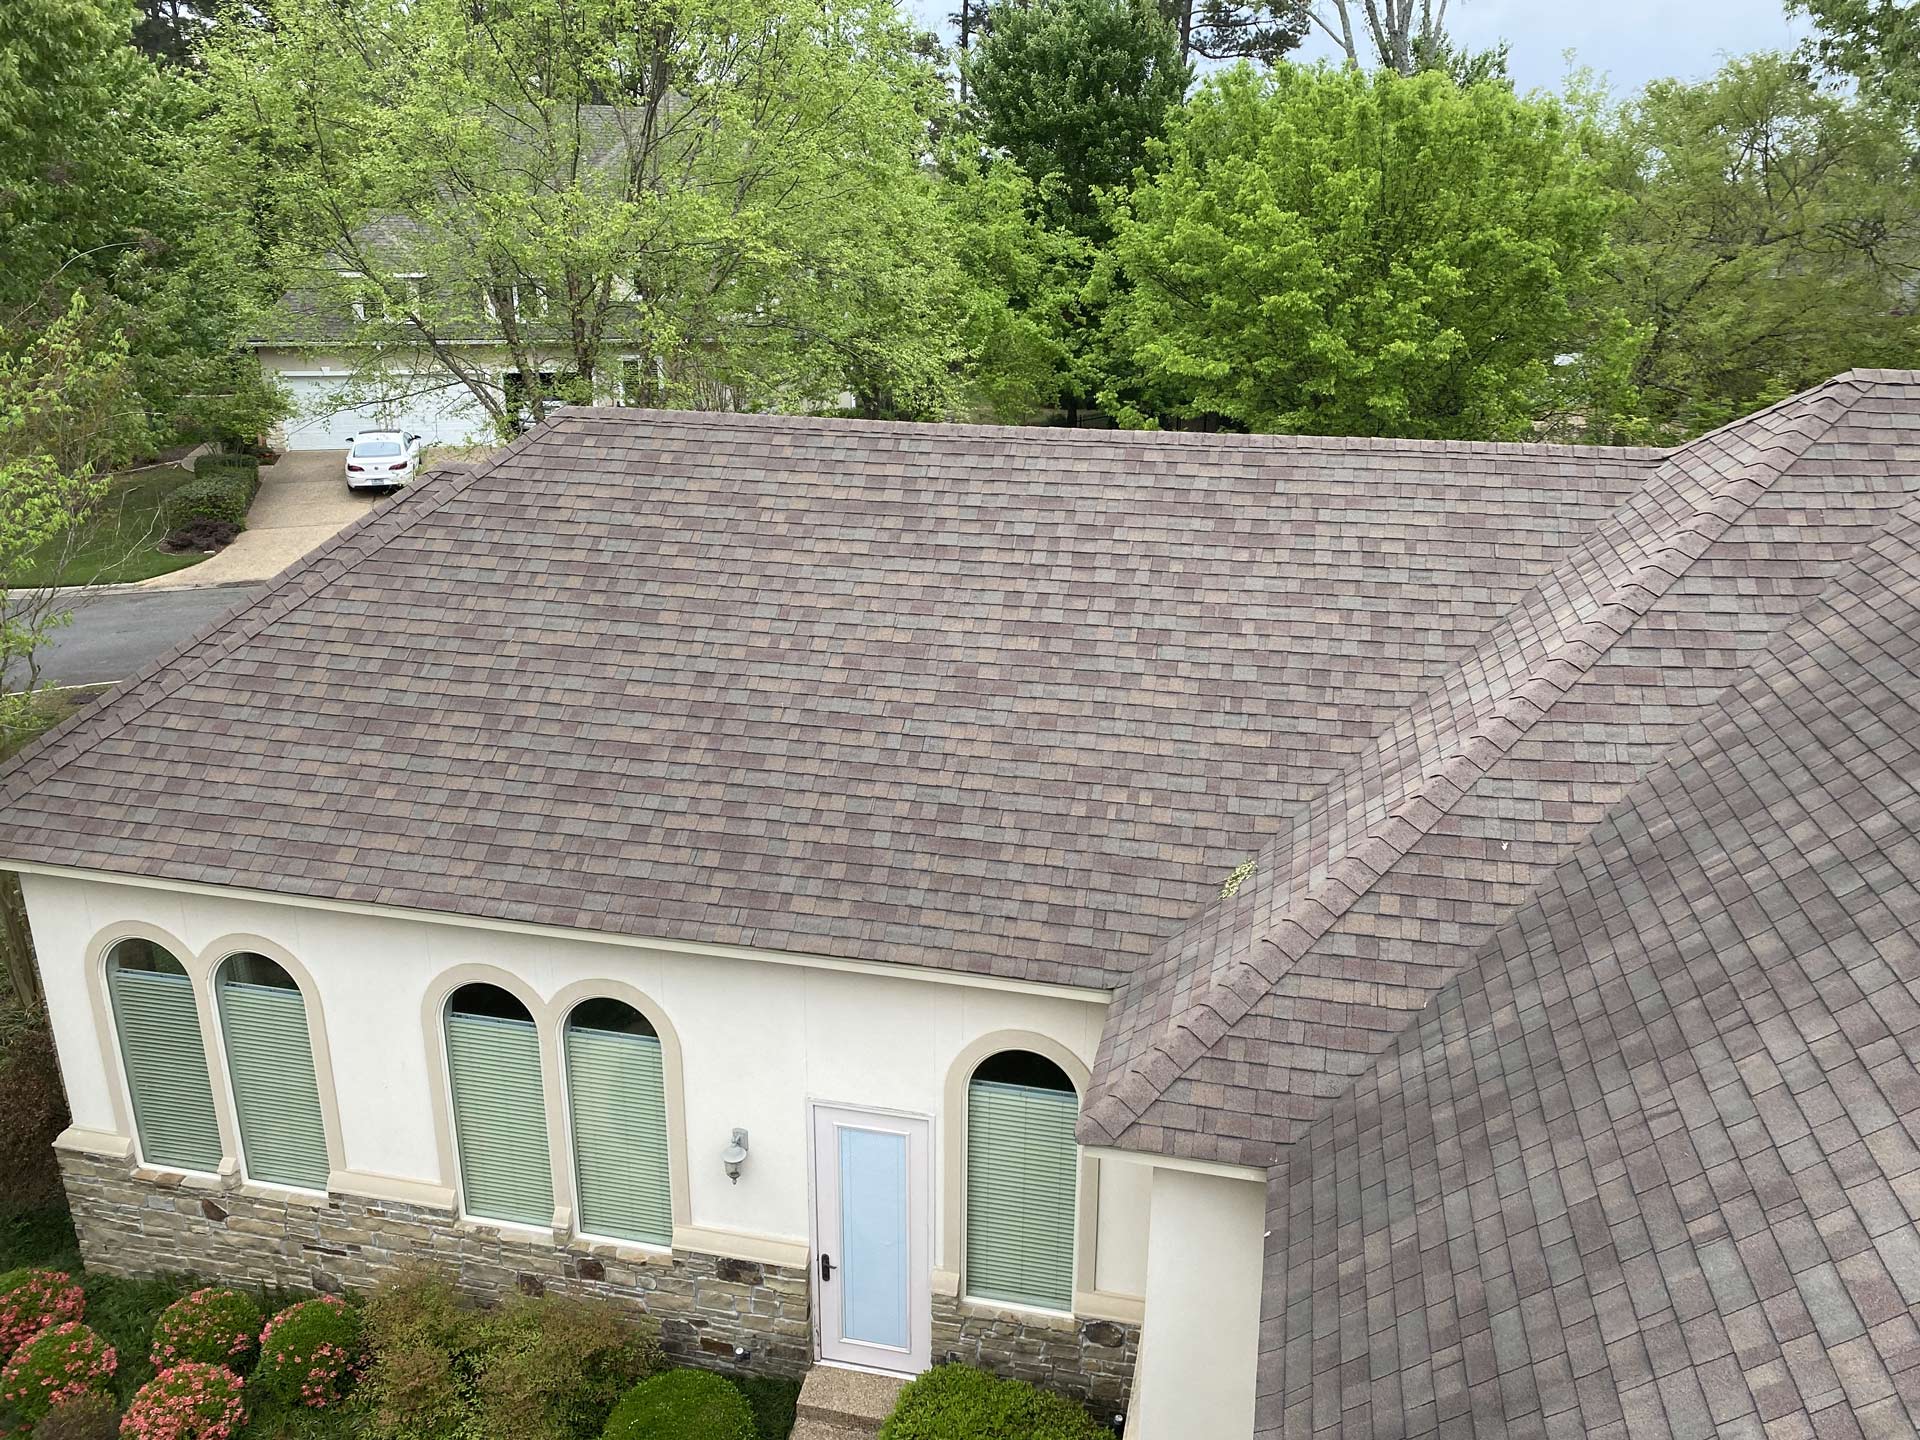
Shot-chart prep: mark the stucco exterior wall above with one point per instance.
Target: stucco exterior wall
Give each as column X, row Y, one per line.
column 758, row 1039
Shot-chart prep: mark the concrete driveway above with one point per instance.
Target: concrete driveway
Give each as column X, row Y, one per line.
column 303, row 502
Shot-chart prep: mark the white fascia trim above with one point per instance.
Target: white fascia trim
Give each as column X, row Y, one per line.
column 1256, row 1173
column 691, row 948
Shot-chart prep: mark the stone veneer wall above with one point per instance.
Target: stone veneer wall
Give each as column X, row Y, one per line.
column 1091, row 1360
column 133, row 1222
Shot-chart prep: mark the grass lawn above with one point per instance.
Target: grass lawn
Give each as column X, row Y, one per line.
column 49, row 709
column 121, row 543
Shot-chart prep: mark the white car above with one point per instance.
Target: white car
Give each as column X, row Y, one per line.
column 382, row 460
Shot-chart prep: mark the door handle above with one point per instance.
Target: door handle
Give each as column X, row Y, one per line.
column 826, row 1267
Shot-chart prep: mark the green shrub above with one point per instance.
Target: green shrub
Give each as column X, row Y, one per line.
column 421, row 1337
column 214, row 1326
column 188, row 1402
column 92, row 1416
column 307, row 1352
column 221, row 495
column 36, row 1106
column 773, row 1400
column 31, row 1300
column 681, row 1405
column 59, row 1364
column 226, row 460
column 956, row 1402
column 551, row 1368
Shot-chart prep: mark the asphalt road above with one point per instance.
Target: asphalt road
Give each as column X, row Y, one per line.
column 114, row 635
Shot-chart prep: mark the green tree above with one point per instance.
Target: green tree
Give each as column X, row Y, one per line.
column 66, row 404
column 1877, row 42
column 1335, row 252
column 697, row 203
column 1770, row 238
column 107, row 195
column 1075, row 89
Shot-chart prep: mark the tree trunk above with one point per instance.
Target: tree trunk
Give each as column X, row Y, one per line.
column 22, row 973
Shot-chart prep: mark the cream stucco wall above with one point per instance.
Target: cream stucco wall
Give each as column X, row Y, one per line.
column 759, row 1039
column 1199, row 1349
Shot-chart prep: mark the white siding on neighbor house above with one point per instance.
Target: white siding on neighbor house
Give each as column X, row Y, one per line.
column 758, row 1041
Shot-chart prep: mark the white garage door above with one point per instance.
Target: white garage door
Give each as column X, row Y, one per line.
column 323, row 420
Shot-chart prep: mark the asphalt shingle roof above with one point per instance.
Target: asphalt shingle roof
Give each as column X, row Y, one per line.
column 1247, row 1023
column 1650, row 1166
column 1001, row 700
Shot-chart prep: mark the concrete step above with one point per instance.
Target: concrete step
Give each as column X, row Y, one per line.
column 853, row 1401
column 805, row 1429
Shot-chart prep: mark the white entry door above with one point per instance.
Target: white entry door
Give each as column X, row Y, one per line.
column 872, row 1239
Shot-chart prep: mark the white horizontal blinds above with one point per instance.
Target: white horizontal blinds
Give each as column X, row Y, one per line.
column 270, row 1061
column 159, row 1025
column 1022, row 1164
column 500, row 1118
column 617, row 1093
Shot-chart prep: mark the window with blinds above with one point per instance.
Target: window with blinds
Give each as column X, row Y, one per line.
column 1022, row 1182
column 499, row 1107
column 616, row 1094
column 166, row 1065
column 276, row 1095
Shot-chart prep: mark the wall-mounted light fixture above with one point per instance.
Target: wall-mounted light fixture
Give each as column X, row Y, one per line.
column 735, row 1155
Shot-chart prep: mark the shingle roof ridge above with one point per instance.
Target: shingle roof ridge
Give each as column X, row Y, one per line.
column 130, row 698
column 1117, row 1103
column 1050, row 435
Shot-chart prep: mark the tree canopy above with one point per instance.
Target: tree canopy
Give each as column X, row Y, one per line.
column 1075, row 89
column 1330, row 251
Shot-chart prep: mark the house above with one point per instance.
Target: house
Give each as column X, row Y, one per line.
column 1272, row 935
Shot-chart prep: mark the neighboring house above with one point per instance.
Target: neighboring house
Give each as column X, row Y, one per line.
column 1278, row 936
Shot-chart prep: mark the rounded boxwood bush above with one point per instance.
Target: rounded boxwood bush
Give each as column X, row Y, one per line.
column 31, row 1300
column 217, row 495
column 188, row 1402
column 957, row 1402
column 213, row 1326
column 59, row 1364
column 92, row 1416
column 681, row 1405
column 308, row 1352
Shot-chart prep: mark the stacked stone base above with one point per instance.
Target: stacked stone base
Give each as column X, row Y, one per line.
column 1091, row 1360
column 711, row 1311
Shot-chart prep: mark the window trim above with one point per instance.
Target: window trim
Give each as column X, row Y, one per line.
column 951, row 1265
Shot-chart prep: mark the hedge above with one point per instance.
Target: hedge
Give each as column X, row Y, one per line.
column 957, row 1402
column 217, row 495
column 207, row 464
column 681, row 1405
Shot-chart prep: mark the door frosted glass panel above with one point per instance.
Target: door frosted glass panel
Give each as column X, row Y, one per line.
column 166, row 1067
column 873, row 1237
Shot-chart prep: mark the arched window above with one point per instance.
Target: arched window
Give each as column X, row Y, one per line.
column 166, row 1065
column 499, row 1106
column 1023, row 1166
column 616, row 1092
column 276, row 1097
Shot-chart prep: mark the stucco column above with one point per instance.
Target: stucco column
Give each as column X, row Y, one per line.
column 1201, row 1341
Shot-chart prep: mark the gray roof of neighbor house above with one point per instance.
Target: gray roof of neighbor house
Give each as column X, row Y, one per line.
column 1649, row 1165
column 1010, row 701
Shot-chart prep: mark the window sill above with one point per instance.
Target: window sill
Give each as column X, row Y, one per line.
column 284, row 1194
column 1031, row 1315
column 627, row 1252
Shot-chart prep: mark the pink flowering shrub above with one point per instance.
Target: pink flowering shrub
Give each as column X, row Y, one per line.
column 60, row 1363
column 212, row 1326
column 31, row 1300
column 308, row 1353
column 191, row 1401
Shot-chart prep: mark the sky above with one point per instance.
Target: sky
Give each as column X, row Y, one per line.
column 1630, row 41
